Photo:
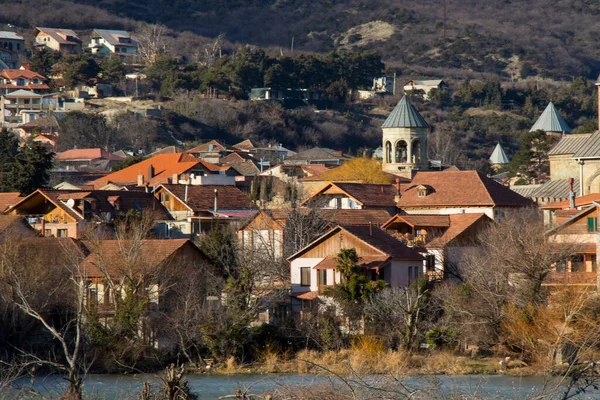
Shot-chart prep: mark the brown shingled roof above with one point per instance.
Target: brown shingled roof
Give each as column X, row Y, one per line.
column 459, row 188
column 86, row 154
column 115, row 256
column 424, row 220
column 201, row 197
column 8, row 199
column 459, row 223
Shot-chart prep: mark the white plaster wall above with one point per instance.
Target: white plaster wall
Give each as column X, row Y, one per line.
column 296, row 278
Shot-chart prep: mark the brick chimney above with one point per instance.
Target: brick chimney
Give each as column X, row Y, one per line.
column 398, row 194
column 140, row 180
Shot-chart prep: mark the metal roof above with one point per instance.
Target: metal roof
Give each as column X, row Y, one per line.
column 570, row 144
column 550, row 121
column 499, row 156
column 526, row 190
column 10, row 35
column 591, row 148
column 405, row 115
column 556, row 189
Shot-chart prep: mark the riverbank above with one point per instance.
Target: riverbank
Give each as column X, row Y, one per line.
column 397, row 363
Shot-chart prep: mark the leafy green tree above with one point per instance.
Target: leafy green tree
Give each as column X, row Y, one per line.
column 23, row 168
column 113, row 70
column 77, row 69
column 354, row 289
column 43, row 59
column 531, row 160
column 164, row 74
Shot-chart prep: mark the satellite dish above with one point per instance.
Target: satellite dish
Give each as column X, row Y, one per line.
column 71, row 203
column 108, row 216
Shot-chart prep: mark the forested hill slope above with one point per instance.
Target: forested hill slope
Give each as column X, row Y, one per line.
column 507, row 37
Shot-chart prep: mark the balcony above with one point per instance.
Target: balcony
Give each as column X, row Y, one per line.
column 571, row 278
column 434, row 276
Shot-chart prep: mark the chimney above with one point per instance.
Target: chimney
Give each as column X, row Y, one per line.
column 140, row 180
column 571, row 194
column 398, row 194
column 216, row 196
column 150, row 172
column 370, row 228
column 185, row 190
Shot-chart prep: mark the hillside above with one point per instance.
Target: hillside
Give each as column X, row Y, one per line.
column 427, row 37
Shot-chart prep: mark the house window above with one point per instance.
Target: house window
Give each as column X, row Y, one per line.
column 322, row 277
column 92, row 295
column 430, row 262
column 592, row 224
column 305, row 276
column 62, row 232
column 421, row 192
column 20, row 82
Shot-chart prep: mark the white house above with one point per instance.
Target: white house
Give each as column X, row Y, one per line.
column 105, row 41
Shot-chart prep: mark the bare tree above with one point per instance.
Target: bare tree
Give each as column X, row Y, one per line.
column 151, row 41
column 37, row 277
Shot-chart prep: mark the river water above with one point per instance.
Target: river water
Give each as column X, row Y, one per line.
column 109, row 387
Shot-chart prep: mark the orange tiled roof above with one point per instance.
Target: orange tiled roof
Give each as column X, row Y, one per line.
column 459, row 223
column 579, row 202
column 164, row 165
column 20, row 73
column 308, row 295
column 459, row 188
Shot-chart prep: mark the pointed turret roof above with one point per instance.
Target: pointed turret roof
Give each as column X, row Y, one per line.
column 499, row 156
column 550, row 121
column 405, row 115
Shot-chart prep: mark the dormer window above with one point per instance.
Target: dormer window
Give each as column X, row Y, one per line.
column 422, row 191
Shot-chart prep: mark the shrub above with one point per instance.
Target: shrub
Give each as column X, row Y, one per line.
column 441, row 338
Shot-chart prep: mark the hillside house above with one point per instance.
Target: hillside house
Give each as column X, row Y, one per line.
column 24, row 106
column 425, row 87
column 72, row 213
column 197, row 209
column 177, row 168
column 353, row 196
column 8, row 59
column 106, row 41
column 458, row 192
column 12, row 42
column 441, row 239
column 22, row 79
column 63, row 40
column 557, row 211
column 381, row 257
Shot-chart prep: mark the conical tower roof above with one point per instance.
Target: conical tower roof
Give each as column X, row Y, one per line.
column 550, row 121
column 405, row 115
column 499, row 156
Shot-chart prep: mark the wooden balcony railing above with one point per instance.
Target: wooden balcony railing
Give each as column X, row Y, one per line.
column 571, row 278
column 434, row 276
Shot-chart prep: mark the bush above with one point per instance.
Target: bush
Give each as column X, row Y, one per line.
column 441, row 338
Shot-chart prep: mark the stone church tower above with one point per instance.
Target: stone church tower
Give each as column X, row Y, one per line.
column 405, row 135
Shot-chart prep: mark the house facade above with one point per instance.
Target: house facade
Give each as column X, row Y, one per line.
column 381, row 257
column 353, row 196
column 197, row 209
column 24, row 106
column 12, row 42
column 73, row 213
column 63, row 40
column 22, row 79
column 106, row 41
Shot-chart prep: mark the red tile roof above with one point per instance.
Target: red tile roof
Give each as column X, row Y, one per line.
column 421, row 220
column 164, row 165
column 369, row 195
column 459, row 188
column 586, row 200
column 86, row 154
column 216, row 147
column 308, row 295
